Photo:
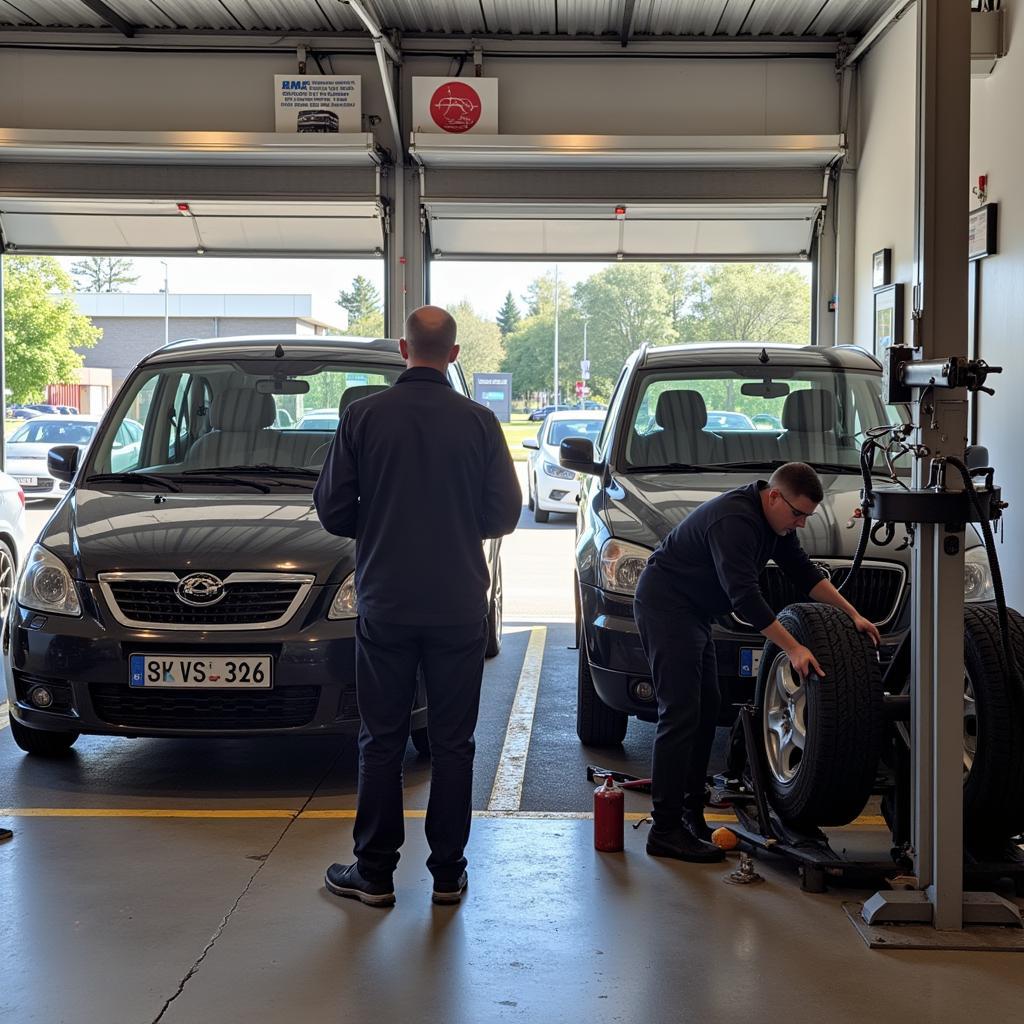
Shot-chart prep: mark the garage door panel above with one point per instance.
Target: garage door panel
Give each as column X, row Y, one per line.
column 521, row 237
column 281, row 234
column 29, row 232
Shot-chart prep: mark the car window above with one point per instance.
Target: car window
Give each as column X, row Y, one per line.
column 559, row 430
column 55, row 432
column 601, row 448
column 753, row 417
column 172, row 419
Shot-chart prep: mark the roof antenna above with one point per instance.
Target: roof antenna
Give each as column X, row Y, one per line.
column 279, row 353
column 762, row 358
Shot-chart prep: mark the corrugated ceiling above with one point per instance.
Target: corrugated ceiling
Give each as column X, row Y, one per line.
column 587, row 18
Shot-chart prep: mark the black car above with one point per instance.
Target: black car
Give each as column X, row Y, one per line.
column 544, row 411
column 657, row 459
column 192, row 590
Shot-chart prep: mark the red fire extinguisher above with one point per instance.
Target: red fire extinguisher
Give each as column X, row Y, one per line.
column 609, row 816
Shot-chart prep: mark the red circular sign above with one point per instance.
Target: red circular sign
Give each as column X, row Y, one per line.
column 455, row 107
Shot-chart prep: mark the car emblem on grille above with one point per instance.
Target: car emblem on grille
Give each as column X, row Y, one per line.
column 200, row 589
column 825, row 568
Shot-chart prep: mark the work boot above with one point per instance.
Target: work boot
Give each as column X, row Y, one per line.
column 694, row 821
column 681, row 844
column 450, row 892
column 345, row 880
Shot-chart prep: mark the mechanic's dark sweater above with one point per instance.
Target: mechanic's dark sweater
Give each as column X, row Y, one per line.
column 710, row 563
column 420, row 475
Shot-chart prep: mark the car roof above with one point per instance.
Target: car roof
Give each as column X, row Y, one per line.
column 577, row 414
column 60, row 417
column 743, row 353
column 265, row 346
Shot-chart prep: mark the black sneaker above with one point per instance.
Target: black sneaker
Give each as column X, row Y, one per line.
column 450, row 892
column 682, row 844
column 345, row 880
column 694, row 821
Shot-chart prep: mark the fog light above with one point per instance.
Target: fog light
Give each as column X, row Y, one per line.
column 40, row 696
column 643, row 691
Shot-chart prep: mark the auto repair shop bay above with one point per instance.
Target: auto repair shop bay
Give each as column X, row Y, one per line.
column 180, row 881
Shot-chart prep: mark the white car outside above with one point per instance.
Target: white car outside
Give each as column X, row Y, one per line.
column 12, row 540
column 28, row 446
column 550, row 487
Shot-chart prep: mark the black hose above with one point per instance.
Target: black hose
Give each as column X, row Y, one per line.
column 865, row 530
column 1009, row 655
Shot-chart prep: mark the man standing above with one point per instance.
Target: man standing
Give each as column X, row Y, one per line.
column 707, row 566
column 420, row 476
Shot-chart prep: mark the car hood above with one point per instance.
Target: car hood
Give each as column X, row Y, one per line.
column 97, row 531
column 643, row 507
column 26, row 450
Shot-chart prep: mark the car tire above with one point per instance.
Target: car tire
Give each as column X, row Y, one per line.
column 540, row 515
column 42, row 743
column 994, row 769
column 8, row 572
column 597, row 725
column 820, row 739
column 421, row 741
column 529, row 494
column 494, row 618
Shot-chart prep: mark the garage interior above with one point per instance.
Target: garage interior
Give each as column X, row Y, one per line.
column 165, row 881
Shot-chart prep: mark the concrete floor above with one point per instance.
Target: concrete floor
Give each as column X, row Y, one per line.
column 181, row 881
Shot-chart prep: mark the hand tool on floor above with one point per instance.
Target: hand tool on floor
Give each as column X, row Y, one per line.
column 624, row 780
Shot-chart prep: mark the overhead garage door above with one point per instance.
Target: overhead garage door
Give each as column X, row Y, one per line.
column 606, row 198
column 211, row 193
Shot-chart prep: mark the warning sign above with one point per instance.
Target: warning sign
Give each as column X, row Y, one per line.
column 455, row 106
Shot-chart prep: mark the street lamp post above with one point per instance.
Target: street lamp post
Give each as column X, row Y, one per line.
column 555, row 402
column 167, row 319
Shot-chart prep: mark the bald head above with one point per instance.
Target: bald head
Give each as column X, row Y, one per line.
column 430, row 338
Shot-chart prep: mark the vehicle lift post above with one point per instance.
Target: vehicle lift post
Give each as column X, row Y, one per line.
column 936, row 376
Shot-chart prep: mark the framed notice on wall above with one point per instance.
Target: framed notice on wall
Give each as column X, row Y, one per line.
column 318, row 104
column 981, row 231
column 888, row 318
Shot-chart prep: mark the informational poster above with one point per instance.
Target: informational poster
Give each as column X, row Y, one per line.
column 317, row 103
column 455, row 106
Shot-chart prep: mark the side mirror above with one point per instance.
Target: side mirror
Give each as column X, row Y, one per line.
column 531, row 443
column 977, row 457
column 62, row 461
column 577, row 454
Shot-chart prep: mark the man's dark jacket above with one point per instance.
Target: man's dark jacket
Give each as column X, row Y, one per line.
column 420, row 476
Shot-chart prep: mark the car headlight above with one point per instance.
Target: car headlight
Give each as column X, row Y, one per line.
column 621, row 565
column 563, row 474
column 977, row 576
column 344, row 604
column 45, row 585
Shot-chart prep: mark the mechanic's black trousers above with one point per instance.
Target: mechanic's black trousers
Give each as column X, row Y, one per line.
column 387, row 659
column 681, row 653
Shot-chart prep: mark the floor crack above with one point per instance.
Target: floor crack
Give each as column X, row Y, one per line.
column 248, row 885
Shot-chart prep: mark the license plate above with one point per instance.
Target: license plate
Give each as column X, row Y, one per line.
column 238, row 672
column 750, row 661
column 26, row 481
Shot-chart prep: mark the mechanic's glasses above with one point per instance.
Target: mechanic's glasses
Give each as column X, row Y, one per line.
column 798, row 513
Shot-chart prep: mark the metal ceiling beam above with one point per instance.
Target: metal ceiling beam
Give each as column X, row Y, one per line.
column 111, row 17
column 385, row 52
column 628, row 7
column 376, row 32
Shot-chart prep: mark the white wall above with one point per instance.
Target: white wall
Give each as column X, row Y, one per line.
column 885, row 218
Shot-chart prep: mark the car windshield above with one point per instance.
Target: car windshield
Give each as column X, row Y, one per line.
column 54, row 432
column 241, row 422
column 742, row 419
column 559, row 430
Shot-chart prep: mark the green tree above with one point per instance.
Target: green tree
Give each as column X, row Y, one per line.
column 509, row 317
column 103, row 273
column 480, row 344
column 369, row 326
column 42, row 327
column 682, row 283
column 749, row 302
column 360, row 301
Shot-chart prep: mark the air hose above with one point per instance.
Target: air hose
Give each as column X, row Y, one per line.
column 865, row 529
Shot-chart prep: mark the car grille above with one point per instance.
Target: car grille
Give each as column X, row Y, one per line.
column 875, row 591
column 253, row 603
column 287, row 707
column 42, row 484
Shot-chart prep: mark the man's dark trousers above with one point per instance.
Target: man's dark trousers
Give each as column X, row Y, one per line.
column 681, row 652
column 387, row 659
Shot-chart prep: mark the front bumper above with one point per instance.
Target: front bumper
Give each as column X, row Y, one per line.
column 554, row 495
column 45, row 486
column 84, row 661
column 618, row 663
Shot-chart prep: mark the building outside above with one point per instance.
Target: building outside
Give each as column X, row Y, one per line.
column 133, row 324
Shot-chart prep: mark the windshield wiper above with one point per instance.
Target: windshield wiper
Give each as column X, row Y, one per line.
column 260, row 469
column 673, row 467
column 133, row 478
column 195, row 476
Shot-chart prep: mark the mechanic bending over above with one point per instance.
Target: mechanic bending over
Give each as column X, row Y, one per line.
column 707, row 566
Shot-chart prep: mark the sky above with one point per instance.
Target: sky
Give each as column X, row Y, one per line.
column 484, row 284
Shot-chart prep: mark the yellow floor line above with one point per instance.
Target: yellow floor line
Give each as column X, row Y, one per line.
column 507, row 792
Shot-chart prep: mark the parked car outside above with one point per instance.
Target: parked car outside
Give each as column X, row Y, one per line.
column 192, row 590
column 28, row 447
column 319, row 419
column 12, row 542
column 550, row 488
column 655, row 461
column 545, row 411
column 19, row 412
column 718, row 420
